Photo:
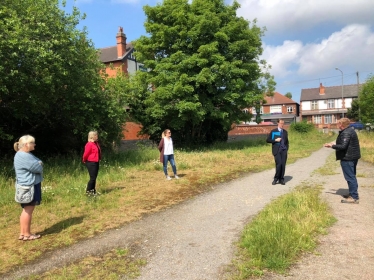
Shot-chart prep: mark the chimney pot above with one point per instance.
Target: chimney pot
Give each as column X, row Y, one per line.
column 121, row 42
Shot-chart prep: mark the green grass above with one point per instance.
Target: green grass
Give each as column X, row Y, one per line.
column 281, row 232
column 132, row 184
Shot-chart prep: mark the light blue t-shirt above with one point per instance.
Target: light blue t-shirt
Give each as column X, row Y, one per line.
column 29, row 169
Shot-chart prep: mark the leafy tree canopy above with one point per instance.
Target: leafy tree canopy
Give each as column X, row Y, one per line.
column 204, row 68
column 50, row 82
column 353, row 113
column 366, row 101
column 288, row 95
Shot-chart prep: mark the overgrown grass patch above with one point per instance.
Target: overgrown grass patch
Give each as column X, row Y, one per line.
column 281, row 232
column 117, row 264
column 367, row 145
column 330, row 166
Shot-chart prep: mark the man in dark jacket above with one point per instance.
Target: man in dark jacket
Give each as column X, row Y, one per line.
column 347, row 148
column 278, row 137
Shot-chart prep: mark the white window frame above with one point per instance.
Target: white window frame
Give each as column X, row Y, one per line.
column 289, row 109
column 276, row 109
column 331, row 103
column 317, row 119
column 314, row 105
column 328, row 119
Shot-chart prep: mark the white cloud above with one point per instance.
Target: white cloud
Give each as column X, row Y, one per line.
column 295, row 15
column 281, row 58
column 351, row 47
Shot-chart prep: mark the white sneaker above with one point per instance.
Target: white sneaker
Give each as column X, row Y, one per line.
column 176, row 176
column 168, row 178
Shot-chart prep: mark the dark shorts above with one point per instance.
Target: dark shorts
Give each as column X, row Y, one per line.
column 37, row 196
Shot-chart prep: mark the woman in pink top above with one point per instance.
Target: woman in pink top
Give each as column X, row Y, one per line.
column 91, row 158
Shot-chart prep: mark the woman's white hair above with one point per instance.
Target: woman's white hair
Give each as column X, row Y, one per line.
column 91, row 135
column 22, row 142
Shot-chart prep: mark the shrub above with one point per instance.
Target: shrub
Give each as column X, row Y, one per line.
column 302, row 127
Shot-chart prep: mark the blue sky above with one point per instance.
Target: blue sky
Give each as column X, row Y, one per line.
column 305, row 40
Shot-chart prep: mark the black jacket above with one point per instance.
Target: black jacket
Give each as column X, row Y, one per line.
column 347, row 145
column 276, row 145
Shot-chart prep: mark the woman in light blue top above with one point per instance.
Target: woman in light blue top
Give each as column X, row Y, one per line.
column 29, row 171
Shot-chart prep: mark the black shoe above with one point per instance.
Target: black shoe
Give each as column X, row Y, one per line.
column 274, row 182
column 282, row 182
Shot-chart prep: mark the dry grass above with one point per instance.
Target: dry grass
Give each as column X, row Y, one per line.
column 367, row 146
column 128, row 192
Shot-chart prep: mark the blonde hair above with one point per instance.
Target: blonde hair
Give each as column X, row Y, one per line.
column 344, row 122
column 22, row 142
column 91, row 135
column 163, row 134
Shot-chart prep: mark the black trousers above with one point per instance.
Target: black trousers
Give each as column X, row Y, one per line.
column 280, row 164
column 93, row 170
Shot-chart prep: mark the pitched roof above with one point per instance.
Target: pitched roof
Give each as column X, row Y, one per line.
column 109, row 54
column 278, row 99
column 334, row 92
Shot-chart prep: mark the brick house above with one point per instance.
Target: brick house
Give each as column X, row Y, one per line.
column 323, row 106
column 277, row 107
column 120, row 58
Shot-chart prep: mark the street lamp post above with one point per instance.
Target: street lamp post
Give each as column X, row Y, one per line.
column 342, row 91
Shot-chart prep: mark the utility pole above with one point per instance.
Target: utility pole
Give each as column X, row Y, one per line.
column 342, row 91
column 358, row 95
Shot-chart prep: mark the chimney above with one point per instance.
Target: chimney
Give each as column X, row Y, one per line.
column 121, row 42
column 321, row 89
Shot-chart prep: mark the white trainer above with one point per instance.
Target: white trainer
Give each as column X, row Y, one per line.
column 168, row 178
column 176, row 176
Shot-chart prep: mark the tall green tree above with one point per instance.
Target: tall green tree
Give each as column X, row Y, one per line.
column 366, row 101
column 50, row 82
column 288, row 95
column 353, row 113
column 204, row 68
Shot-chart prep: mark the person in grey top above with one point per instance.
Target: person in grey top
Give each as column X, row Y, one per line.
column 347, row 150
column 29, row 171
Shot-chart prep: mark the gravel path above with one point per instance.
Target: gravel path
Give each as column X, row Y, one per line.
column 194, row 240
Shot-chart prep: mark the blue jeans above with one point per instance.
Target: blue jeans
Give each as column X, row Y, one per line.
column 172, row 163
column 349, row 172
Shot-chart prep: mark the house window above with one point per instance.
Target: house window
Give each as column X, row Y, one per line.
column 331, row 103
column 142, row 68
column 289, row 109
column 317, row 119
column 276, row 109
column 328, row 119
column 245, row 111
column 314, row 105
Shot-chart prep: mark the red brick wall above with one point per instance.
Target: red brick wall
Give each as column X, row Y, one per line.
column 245, row 129
column 130, row 132
column 113, row 68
